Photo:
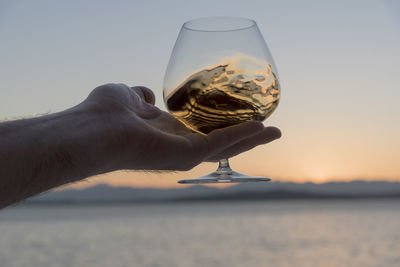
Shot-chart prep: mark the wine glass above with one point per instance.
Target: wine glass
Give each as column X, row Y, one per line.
column 220, row 73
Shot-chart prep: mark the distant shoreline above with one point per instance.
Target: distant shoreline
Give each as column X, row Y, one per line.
column 275, row 191
column 231, row 198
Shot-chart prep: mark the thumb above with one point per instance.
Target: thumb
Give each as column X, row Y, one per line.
column 145, row 93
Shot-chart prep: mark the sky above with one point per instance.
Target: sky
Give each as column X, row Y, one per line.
column 338, row 63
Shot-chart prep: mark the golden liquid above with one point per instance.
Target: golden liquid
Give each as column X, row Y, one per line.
column 223, row 96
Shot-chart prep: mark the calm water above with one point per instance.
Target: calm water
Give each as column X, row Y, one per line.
column 285, row 233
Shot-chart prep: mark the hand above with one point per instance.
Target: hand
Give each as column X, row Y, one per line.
column 141, row 136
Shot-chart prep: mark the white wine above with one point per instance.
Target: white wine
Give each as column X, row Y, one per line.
column 225, row 95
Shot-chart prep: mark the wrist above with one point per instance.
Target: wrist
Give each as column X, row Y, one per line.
column 90, row 140
column 76, row 143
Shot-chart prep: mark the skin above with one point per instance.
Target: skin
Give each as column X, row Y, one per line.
column 117, row 127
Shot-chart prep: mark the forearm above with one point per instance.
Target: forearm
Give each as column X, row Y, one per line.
column 41, row 153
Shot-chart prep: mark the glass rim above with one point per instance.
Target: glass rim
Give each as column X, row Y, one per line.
column 196, row 24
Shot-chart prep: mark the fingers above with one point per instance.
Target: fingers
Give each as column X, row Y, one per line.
column 145, row 93
column 267, row 135
column 221, row 139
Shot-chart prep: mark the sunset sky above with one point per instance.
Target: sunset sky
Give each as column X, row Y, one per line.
column 338, row 61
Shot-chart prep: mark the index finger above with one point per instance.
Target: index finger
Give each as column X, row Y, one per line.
column 221, row 139
column 267, row 135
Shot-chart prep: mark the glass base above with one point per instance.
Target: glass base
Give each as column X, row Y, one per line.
column 224, row 174
column 216, row 177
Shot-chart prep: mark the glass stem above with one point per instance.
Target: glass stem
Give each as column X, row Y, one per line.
column 224, row 167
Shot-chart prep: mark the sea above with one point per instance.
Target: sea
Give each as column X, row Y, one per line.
column 225, row 233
